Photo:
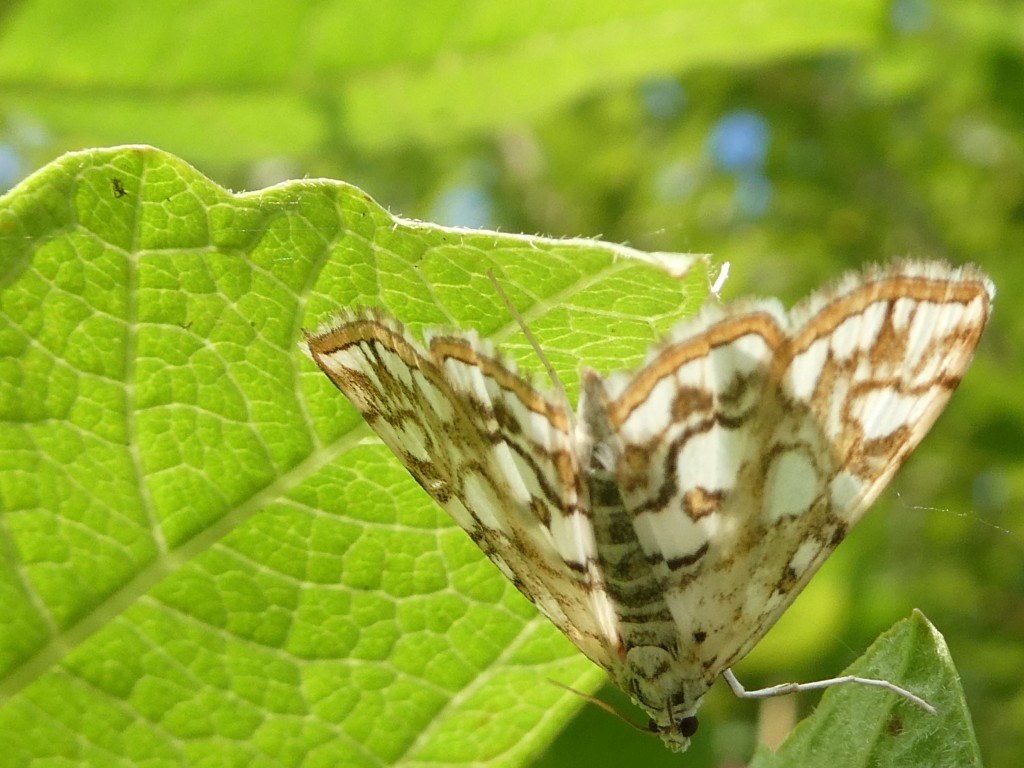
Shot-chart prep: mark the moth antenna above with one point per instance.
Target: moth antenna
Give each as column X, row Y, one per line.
column 533, row 341
column 602, row 704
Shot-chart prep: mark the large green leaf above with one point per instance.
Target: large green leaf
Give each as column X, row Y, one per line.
column 208, row 558
column 235, row 79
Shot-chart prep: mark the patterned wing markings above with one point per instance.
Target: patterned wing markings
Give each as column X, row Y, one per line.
column 667, row 530
column 491, row 450
column 784, row 429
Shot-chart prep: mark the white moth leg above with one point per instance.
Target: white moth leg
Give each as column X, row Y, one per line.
column 784, row 688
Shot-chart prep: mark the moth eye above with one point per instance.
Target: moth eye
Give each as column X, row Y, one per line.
column 687, row 726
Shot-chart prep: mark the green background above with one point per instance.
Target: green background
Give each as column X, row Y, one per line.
column 889, row 130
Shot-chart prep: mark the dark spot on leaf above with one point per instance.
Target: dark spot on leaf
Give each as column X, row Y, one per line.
column 895, row 726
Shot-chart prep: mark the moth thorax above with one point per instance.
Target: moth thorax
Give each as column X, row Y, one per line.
column 657, row 686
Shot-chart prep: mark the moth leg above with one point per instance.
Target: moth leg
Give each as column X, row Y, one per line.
column 784, row 688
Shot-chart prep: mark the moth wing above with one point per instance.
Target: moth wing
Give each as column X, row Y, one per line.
column 489, row 448
column 754, row 439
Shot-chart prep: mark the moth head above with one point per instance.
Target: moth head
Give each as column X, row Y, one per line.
column 676, row 733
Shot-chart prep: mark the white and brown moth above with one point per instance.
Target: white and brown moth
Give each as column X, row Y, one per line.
column 666, row 527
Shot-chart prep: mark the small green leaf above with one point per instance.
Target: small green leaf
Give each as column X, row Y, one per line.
column 859, row 726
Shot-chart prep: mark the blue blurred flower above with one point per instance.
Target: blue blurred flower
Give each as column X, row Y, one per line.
column 464, row 205
column 753, row 195
column 739, row 141
column 10, row 166
column 664, row 99
column 910, row 16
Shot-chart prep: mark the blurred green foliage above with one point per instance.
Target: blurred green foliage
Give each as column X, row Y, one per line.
column 904, row 138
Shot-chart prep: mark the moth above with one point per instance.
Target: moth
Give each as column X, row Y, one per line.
column 667, row 525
